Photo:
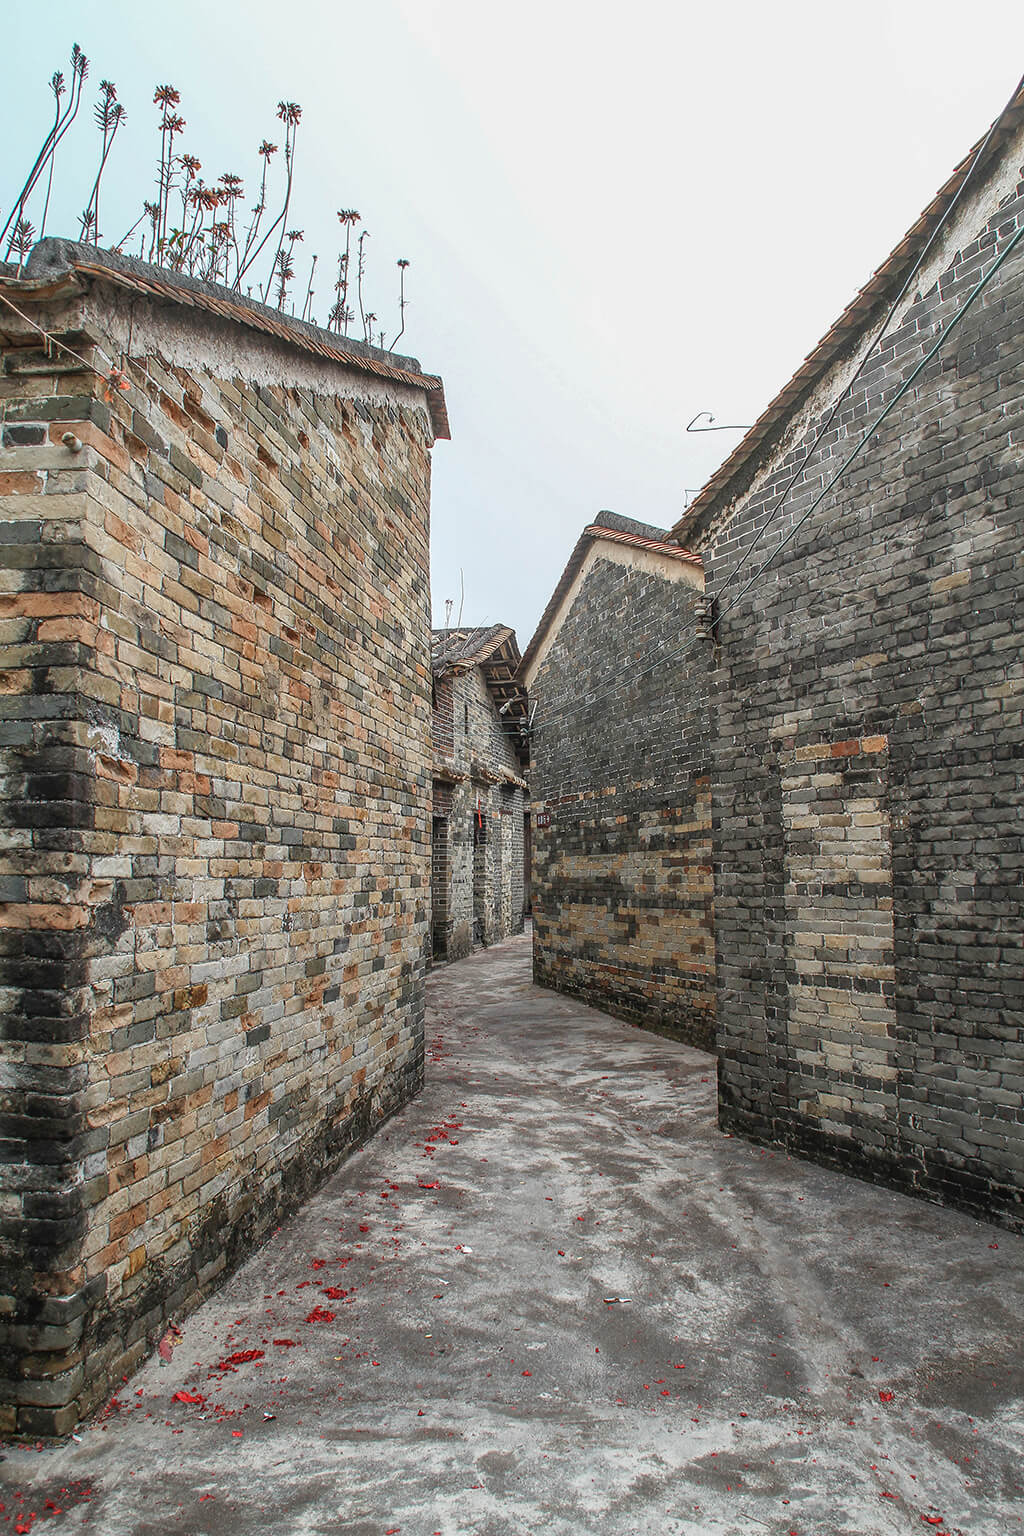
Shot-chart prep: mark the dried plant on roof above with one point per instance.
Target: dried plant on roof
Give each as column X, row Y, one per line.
column 307, row 308
column 64, row 116
column 233, row 188
column 166, row 97
column 360, row 269
column 266, row 151
column 109, row 115
column 346, row 217
column 402, row 301
column 284, row 266
column 23, row 238
column 290, row 113
column 340, row 318
column 191, row 226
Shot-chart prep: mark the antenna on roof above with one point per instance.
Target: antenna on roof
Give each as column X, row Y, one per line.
column 462, row 596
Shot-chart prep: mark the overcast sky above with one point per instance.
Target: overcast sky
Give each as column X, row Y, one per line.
column 616, row 215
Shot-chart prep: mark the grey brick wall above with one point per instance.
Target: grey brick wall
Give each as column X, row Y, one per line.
column 869, row 855
column 478, row 821
column 621, row 875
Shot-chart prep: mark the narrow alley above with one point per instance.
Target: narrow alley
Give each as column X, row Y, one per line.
column 552, row 1296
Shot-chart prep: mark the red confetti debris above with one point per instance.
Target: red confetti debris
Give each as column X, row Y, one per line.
column 320, row 1315
column 236, row 1434
column 318, row 1264
column 188, row 1397
column 885, row 1397
column 242, row 1357
column 285, row 1343
column 335, row 1292
column 932, row 1519
column 527, row 1373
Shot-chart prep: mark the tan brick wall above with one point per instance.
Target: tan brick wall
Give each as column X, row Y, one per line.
column 622, row 880
column 216, row 618
column 838, row 890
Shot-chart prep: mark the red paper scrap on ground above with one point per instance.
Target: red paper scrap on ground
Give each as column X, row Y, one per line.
column 240, row 1358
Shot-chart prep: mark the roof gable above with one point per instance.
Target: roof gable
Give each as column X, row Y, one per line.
column 495, row 650
column 842, row 338
column 617, row 540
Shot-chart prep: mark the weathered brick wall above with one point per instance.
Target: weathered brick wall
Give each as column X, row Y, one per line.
column 215, row 746
column 621, row 876
column 868, row 792
column 482, row 843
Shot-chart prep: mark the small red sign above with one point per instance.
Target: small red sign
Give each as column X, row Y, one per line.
column 542, row 819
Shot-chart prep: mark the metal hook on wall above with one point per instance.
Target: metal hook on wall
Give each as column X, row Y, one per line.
column 730, row 427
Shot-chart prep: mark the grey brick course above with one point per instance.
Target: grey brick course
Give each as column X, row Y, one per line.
column 868, row 736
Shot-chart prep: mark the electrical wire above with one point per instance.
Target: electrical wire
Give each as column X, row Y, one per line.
column 932, row 352
column 897, row 301
column 114, row 378
column 825, row 426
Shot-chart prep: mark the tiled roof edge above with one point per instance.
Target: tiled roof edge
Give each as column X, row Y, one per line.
column 591, row 533
column 881, row 287
column 52, row 259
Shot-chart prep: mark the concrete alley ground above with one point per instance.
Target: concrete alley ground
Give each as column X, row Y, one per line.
column 552, row 1297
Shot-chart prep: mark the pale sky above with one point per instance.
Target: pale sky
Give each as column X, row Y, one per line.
column 616, row 215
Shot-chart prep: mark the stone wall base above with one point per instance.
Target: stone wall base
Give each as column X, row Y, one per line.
column 941, row 1177
column 691, row 1024
column 115, row 1340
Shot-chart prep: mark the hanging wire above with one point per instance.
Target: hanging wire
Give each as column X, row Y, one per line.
column 733, row 427
column 114, row 378
column 823, row 429
column 890, row 315
column 692, row 628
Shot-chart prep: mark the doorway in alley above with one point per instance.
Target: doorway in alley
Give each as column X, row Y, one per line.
column 479, row 873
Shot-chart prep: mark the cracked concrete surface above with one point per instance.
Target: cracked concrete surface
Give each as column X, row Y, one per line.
column 789, row 1351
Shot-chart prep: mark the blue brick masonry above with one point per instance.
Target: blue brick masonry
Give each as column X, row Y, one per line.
column 868, row 785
